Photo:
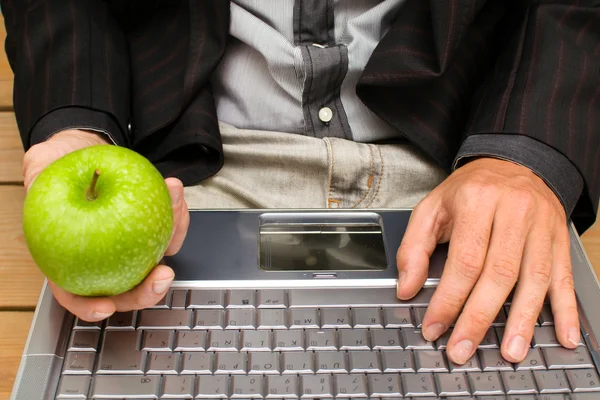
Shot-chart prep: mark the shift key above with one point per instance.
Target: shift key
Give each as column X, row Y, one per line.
column 125, row 386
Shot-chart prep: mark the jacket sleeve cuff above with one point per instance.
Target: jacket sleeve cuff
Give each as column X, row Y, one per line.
column 555, row 169
column 76, row 118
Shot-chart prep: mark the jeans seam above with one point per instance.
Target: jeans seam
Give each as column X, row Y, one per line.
column 370, row 181
column 380, row 178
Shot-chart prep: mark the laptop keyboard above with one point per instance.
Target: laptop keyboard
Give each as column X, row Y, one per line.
column 307, row 344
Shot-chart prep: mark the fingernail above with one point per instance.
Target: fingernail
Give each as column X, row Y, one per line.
column 573, row 336
column 461, row 353
column 434, row 331
column 177, row 198
column 517, row 347
column 159, row 287
column 100, row 315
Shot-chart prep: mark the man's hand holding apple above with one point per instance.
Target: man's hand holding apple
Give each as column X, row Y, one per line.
column 156, row 284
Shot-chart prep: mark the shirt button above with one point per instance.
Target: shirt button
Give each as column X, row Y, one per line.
column 325, row 114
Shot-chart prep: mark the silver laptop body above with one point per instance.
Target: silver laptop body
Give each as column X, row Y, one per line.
column 296, row 304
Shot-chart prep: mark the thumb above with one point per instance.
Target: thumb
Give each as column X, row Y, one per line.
column 418, row 244
column 37, row 158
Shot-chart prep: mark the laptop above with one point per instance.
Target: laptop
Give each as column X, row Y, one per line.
column 297, row 304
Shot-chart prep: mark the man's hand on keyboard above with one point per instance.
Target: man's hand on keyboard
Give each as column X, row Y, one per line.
column 156, row 284
column 503, row 223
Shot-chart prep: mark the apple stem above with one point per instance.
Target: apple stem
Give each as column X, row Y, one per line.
column 91, row 192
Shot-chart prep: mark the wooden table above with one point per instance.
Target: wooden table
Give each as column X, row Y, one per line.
column 20, row 280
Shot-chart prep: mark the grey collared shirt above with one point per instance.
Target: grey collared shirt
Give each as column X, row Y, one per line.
column 293, row 65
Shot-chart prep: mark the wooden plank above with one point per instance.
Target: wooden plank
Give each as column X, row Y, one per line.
column 20, row 279
column 6, row 74
column 13, row 334
column 11, row 149
column 591, row 243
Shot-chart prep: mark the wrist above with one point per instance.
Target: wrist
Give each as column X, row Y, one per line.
column 91, row 137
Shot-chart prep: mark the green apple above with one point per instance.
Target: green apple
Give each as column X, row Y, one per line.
column 97, row 220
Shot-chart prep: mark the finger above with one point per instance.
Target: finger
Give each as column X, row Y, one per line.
column 418, row 244
column 499, row 275
column 180, row 231
column 178, row 203
column 534, row 279
column 562, row 292
column 466, row 255
column 86, row 308
column 147, row 293
column 36, row 159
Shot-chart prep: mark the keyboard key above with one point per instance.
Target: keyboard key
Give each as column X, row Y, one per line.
column 362, row 297
column 125, row 386
column 532, row 361
column 249, row 387
column 271, row 319
column 242, row 318
column 578, row 396
column 256, row 341
column 546, row 316
column 179, row 299
column 209, row 319
column 177, row 387
column 367, row 318
column 485, row 383
column 545, row 336
column 163, row 363
column 223, row 340
column 520, row 382
column 418, row 385
column 583, row 380
column 385, row 339
column 165, row 319
column 197, row 363
column 489, row 341
column 271, row 298
column 500, row 319
column 263, row 363
column 442, row 342
column 419, row 316
column 386, row 385
column 551, row 382
column 206, row 299
column 84, row 340
column 492, row 360
column 304, row 318
column 413, row 340
column 321, row 340
column 119, row 354
column 81, row 324
column 288, row 340
column 191, row 340
column 215, row 387
column 472, row 365
column 354, row 339
column 350, row 386
column 73, row 387
column 398, row 318
column 364, row 362
column 328, row 362
column 164, row 302
column 157, row 340
column 430, row 361
column 397, row 361
column 230, row 363
column 282, row 387
column 316, row 386
column 335, row 318
column 452, row 384
column 121, row 320
column 79, row 363
column 297, row 363
column 561, row 358
column 241, row 298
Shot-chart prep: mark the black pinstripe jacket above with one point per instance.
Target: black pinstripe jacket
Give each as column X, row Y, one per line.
column 515, row 79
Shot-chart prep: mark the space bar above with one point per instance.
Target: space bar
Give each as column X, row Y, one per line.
column 362, row 297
